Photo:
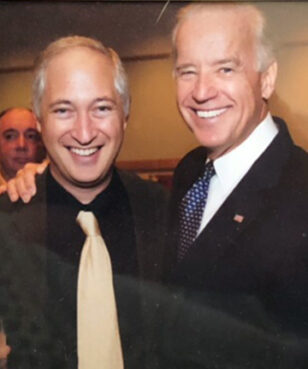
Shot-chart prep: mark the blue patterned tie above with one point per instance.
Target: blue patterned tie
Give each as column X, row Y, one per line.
column 191, row 210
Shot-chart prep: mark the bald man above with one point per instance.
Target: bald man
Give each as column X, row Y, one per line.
column 20, row 142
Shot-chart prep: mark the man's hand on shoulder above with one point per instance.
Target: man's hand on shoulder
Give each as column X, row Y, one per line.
column 4, row 352
column 23, row 186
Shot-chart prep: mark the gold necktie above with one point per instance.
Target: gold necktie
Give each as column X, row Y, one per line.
column 99, row 345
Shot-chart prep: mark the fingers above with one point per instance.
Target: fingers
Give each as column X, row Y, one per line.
column 12, row 191
column 4, row 351
column 23, row 185
column 25, row 182
column 41, row 167
column 3, row 189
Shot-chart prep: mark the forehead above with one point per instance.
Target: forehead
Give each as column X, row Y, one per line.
column 213, row 33
column 79, row 67
column 18, row 119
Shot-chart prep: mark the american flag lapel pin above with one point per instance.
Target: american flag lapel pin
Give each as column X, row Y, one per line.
column 238, row 218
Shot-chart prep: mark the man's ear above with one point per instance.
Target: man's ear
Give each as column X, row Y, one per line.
column 268, row 80
column 38, row 126
column 125, row 123
column 126, row 116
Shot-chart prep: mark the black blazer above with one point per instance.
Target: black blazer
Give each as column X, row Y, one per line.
column 255, row 272
column 23, row 287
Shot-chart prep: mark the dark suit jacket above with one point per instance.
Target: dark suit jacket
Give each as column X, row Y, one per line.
column 255, row 272
column 23, row 288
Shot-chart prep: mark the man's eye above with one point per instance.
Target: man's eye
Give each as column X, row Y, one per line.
column 226, row 70
column 32, row 136
column 10, row 136
column 60, row 111
column 186, row 73
column 104, row 108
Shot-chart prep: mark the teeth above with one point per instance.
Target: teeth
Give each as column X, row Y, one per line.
column 83, row 152
column 210, row 113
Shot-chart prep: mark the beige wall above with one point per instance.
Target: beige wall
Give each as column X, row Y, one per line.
column 291, row 98
column 288, row 25
column 15, row 89
column 155, row 128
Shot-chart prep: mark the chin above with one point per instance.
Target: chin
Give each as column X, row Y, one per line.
column 91, row 181
column 206, row 140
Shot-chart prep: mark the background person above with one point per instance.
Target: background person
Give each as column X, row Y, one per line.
column 20, row 142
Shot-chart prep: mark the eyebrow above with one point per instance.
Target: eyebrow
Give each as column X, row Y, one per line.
column 183, row 66
column 13, row 130
column 102, row 99
column 10, row 130
column 58, row 102
column 234, row 60
column 68, row 102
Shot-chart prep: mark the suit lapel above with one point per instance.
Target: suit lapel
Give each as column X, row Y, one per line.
column 253, row 195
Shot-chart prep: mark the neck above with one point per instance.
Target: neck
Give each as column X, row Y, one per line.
column 84, row 193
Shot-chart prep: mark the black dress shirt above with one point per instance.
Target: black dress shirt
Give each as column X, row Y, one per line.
column 64, row 244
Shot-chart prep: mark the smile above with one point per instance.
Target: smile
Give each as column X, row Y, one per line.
column 84, row 152
column 210, row 113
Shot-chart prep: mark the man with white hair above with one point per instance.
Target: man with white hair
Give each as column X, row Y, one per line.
column 81, row 101
column 239, row 213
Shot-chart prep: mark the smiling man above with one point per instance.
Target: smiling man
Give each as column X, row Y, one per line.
column 20, row 142
column 81, row 101
column 240, row 201
column 83, row 134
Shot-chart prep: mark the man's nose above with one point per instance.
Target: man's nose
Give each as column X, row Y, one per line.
column 205, row 88
column 22, row 142
column 84, row 130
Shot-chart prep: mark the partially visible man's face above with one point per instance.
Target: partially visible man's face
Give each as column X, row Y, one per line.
column 219, row 92
column 82, row 118
column 20, row 141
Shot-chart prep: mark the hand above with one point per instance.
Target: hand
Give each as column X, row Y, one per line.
column 23, row 185
column 4, row 352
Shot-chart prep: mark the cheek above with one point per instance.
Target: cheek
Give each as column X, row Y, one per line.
column 6, row 147
column 117, row 136
column 51, row 132
column 48, row 140
column 112, row 129
column 251, row 88
column 34, row 147
column 181, row 92
column 236, row 89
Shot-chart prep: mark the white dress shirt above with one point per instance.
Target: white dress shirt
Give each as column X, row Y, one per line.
column 232, row 167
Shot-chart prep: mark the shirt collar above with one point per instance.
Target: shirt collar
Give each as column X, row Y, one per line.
column 57, row 195
column 231, row 167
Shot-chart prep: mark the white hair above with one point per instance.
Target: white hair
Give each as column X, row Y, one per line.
column 65, row 43
column 264, row 51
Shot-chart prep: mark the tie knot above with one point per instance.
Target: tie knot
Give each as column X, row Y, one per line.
column 88, row 223
column 209, row 171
